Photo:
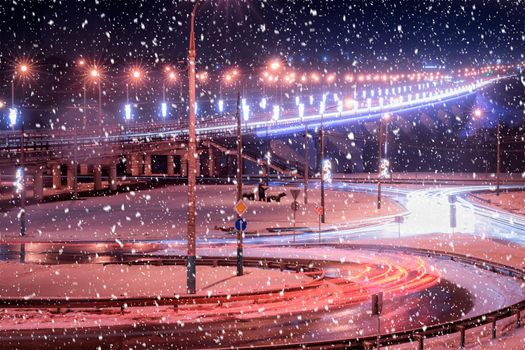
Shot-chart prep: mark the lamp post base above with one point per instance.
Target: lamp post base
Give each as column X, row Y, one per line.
column 192, row 262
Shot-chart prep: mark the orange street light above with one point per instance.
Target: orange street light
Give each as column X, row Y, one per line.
column 136, row 74
column 202, row 77
column 275, row 65
column 330, row 78
column 94, row 73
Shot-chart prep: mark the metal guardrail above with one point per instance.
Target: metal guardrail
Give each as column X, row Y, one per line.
column 418, row 335
column 309, row 267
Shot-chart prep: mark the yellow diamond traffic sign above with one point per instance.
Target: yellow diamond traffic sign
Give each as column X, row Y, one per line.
column 240, row 208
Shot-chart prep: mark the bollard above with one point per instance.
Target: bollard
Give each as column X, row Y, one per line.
column 492, row 321
column 419, row 338
column 461, row 330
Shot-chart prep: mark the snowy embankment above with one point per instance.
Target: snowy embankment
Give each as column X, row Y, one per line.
column 161, row 213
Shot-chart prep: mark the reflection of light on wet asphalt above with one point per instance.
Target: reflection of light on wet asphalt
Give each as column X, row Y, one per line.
column 429, row 212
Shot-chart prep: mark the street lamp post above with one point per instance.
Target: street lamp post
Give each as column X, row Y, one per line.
column 84, row 117
column 239, row 183
column 191, row 268
column 322, row 171
column 380, row 141
column 100, row 120
column 306, row 166
column 22, row 69
column 498, row 158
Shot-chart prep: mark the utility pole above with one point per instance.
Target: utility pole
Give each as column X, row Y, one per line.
column 323, row 218
column 84, row 117
column 23, row 185
column 75, row 167
column 268, row 146
column 239, row 183
column 306, row 166
column 100, row 102
column 380, row 139
column 191, row 272
column 498, row 158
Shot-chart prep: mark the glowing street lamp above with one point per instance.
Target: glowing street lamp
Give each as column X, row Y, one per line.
column 164, row 109
column 263, row 103
column 477, row 113
column 322, row 106
column 301, row 110
column 275, row 65
column 23, row 70
column 127, row 111
column 95, row 75
column 170, row 77
column 135, row 76
column 245, row 112
column 221, row 105
column 13, row 116
column 276, row 112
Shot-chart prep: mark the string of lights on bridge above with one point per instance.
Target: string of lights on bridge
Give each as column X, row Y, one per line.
column 278, row 74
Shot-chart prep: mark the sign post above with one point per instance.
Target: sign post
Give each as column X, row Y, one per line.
column 319, row 210
column 453, row 221
column 295, row 206
column 240, row 224
column 399, row 220
column 377, row 309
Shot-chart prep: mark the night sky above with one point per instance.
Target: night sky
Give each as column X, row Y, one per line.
column 367, row 35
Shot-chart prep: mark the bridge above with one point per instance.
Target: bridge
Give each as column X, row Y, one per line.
column 90, row 150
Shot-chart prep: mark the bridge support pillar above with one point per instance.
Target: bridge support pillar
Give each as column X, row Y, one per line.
column 133, row 164
column 97, row 176
column 57, row 176
column 147, row 164
column 171, row 169
column 83, row 169
column 70, row 176
column 113, row 177
column 211, row 162
column 184, row 165
column 263, row 171
column 38, row 185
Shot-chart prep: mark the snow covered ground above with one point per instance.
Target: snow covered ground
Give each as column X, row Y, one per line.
column 160, row 213
column 115, row 280
column 513, row 201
